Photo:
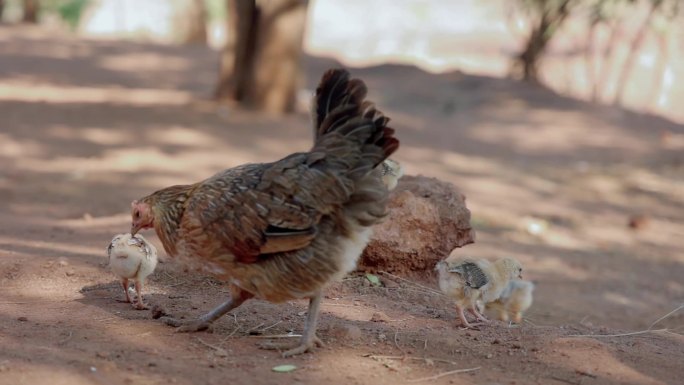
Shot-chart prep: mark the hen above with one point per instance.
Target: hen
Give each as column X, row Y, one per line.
column 468, row 280
column 284, row 230
column 132, row 258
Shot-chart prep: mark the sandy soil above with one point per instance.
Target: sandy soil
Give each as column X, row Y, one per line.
column 88, row 126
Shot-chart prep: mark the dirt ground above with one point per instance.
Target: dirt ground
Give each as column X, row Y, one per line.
column 88, row 126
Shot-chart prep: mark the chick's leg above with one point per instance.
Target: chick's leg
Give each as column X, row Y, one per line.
column 139, row 305
column 309, row 339
column 237, row 298
column 124, row 284
column 462, row 317
column 473, row 310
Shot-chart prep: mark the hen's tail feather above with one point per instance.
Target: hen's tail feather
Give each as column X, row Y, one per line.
column 346, row 123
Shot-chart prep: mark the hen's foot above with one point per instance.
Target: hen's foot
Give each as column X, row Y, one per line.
column 301, row 348
column 187, row 326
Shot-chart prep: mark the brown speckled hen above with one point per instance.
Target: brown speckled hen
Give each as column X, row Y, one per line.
column 284, row 230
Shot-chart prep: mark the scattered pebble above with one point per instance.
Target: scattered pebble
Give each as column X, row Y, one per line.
column 346, row 332
column 379, row 316
column 22, row 319
column 157, row 311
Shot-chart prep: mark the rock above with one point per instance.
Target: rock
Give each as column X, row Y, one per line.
column 427, row 219
column 379, row 316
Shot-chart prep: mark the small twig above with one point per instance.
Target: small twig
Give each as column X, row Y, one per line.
column 396, row 343
column 565, row 380
column 278, row 336
column 665, row 316
column 619, row 335
column 425, row 344
column 649, row 330
column 217, row 348
column 444, row 374
column 65, row 340
column 673, row 333
column 584, row 319
column 411, row 358
column 254, row 328
column 268, row 327
column 338, row 304
column 412, row 283
column 232, row 333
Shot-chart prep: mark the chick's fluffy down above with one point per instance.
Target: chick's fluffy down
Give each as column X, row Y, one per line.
column 131, row 257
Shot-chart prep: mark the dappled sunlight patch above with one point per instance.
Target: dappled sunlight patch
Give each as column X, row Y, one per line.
column 101, row 136
column 139, row 159
column 595, row 358
column 621, row 299
column 543, row 138
column 36, row 93
column 57, row 248
column 550, row 265
column 178, row 135
column 13, row 148
column 143, row 61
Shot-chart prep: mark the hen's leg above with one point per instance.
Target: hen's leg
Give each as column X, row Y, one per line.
column 309, row 339
column 139, row 305
column 237, row 297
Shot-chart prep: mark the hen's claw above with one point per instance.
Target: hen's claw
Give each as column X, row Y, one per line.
column 187, row 326
column 301, row 348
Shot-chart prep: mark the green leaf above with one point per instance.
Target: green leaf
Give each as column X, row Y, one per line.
column 284, row 368
column 373, row 279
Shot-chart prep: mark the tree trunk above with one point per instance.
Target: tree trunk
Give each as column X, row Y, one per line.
column 606, row 62
column 590, row 59
column 634, row 49
column 260, row 63
column 195, row 22
column 658, row 85
column 30, row 11
column 2, row 9
column 549, row 22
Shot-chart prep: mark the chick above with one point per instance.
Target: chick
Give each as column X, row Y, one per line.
column 515, row 299
column 132, row 258
column 391, row 172
column 468, row 280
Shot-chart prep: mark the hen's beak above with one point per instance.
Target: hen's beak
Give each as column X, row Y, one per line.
column 135, row 228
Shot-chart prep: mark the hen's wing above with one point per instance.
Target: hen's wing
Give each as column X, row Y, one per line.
column 472, row 274
column 265, row 208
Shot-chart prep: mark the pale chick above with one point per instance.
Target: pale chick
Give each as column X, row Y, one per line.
column 132, row 258
column 469, row 280
column 515, row 299
column 391, row 172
